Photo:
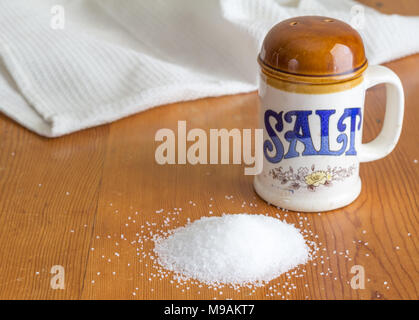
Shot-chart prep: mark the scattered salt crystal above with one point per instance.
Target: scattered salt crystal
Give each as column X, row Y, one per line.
column 237, row 249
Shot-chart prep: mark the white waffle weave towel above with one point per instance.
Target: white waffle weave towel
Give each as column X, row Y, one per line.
column 66, row 65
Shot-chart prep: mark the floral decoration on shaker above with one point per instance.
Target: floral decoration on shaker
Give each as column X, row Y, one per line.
column 311, row 179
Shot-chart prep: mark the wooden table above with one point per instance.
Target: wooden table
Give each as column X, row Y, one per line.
column 61, row 200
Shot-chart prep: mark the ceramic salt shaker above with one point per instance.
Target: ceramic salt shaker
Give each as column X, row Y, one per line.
column 313, row 78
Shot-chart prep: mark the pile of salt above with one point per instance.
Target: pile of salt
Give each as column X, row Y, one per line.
column 234, row 249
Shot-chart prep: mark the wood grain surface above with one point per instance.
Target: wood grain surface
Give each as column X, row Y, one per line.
column 67, row 201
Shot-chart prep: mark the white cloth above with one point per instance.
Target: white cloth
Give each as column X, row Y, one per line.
column 116, row 58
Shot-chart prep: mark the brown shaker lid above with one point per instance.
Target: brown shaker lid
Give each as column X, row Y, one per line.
column 313, row 49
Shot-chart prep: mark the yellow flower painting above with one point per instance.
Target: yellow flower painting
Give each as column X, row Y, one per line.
column 316, row 178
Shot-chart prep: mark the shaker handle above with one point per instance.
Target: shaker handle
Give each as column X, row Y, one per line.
column 387, row 139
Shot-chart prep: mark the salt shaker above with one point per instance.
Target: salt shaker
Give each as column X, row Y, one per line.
column 313, row 78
